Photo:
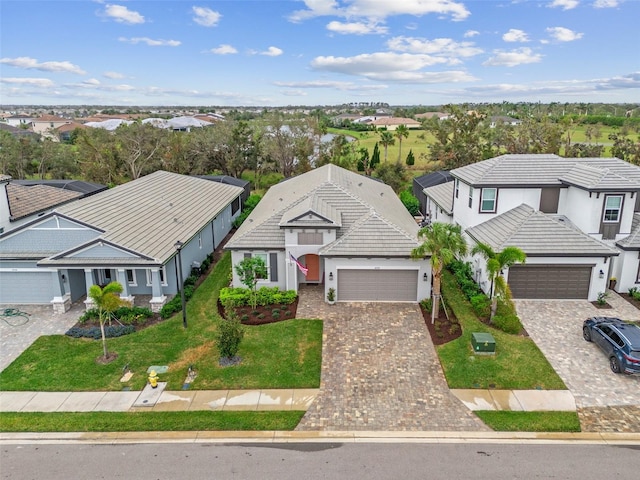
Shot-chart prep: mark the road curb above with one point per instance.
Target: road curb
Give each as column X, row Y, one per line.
column 235, row 437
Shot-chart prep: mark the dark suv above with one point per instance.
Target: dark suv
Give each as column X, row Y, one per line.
column 619, row 340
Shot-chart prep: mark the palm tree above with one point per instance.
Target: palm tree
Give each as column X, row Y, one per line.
column 386, row 139
column 401, row 132
column 107, row 300
column 496, row 263
column 444, row 242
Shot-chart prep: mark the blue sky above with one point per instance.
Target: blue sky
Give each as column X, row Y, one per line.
column 318, row 52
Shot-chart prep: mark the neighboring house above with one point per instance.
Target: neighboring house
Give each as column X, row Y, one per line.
column 23, row 200
column 64, row 132
column 47, row 124
column 428, row 115
column 426, row 181
column 126, row 234
column 351, row 232
column 227, row 180
column 391, row 123
column 17, row 131
column 575, row 218
column 19, row 120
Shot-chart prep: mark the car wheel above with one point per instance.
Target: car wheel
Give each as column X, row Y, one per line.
column 586, row 334
column 615, row 365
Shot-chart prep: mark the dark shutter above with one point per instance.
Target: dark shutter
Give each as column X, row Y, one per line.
column 273, row 263
column 247, row 255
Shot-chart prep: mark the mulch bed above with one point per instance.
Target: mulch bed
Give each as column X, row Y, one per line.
column 263, row 314
column 601, row 306
column 444, row 329
column 631, row 300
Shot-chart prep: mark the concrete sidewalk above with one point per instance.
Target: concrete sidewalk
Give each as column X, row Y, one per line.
column 159, row 399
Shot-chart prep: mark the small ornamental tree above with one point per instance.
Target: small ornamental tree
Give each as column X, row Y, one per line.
column 107, row 300
column 250, row 270
column 230, row 334
column 411, row 159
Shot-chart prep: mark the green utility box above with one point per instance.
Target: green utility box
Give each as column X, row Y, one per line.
column 483, row 343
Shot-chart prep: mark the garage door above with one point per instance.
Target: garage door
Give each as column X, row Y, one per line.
column 377, row 285
column 550, row 281
column 26, row 287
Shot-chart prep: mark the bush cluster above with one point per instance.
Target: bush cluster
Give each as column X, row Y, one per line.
column 124, row 315
column 464, row 277
column 634, row 293
column 249, row 205
column 111, row 331
column 410, row 202
column 175, row 304
column 508, row 323
column 241, row 297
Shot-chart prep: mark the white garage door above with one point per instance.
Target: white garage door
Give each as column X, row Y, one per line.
column 377, row 285
column 26, row 287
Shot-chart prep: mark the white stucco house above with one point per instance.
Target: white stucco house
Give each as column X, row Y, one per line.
column 348, row 231
column 577, row 219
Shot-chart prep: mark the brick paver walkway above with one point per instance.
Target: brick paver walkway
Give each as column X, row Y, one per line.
column 379, row 371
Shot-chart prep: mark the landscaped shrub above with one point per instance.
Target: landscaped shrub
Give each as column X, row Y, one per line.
column 508, row 323
column 410, row 202
column 240, row 297
column 427, row 304
column 464, row 276
column 230, row 333
column 481, row 305
column 172, row 306
column 123, row 315
column 249, row 205
column 111, row 331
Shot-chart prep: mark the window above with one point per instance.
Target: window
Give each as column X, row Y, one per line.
column 470, row 196
column 488, row 200
column 163, row 277
column 265, row 259
column 235, row 206
column 309, row 238
column 131, row 277
column 200, row 240
column 457, row 187
column 612, row 208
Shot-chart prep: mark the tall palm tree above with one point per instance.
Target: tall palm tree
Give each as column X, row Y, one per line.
column 386, row 139
column 107, row 300
column 401, row 132
column 496, row 263
column 444, row 242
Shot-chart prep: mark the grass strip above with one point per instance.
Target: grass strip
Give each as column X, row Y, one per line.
column 510, row 421
column 148, row 421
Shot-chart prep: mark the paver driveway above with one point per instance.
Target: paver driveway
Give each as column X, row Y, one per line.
column 556, row 327
column 379, row 371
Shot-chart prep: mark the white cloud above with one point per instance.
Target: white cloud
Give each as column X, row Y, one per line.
column 390, row 66
column 606, row 3
column 223, row 49
column 113, row 75
column 380, row 9
column 515, row 35
column 335, row 85
column 438, row 46
column 206, row 17
column 356, row 28
column 272, row 52
column 519, row 56
column 562, row 34
column 471, row 33
column 33, row 64
column 150, row 41
column 35, row 82
column 564, row 4
column 92, row 81
column 94, row 84
column 122, row 14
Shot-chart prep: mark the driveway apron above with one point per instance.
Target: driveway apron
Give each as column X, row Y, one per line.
column 379, row 371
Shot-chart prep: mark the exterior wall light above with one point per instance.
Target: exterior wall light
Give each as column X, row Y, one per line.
column 601, row 274
column 331, row 276
column 425, row 277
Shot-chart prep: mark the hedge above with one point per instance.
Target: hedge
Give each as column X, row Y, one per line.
column 240, row 297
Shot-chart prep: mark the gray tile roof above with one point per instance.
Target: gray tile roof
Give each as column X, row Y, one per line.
column 323, row 214
column 150, row 214
column 632, row 241
column 359, row 202
column 551, row 170
column 29, row 200
column 538, row 234
column 442, row 195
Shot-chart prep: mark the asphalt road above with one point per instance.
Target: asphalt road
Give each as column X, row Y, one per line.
column 371, row 461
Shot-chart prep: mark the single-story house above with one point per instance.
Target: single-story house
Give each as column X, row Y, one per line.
column 339, row 229
column 128, row 234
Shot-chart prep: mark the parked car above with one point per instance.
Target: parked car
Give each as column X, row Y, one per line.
column 619, row 340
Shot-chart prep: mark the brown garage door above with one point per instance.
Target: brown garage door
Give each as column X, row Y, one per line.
column 550, row 281
column 377, row 285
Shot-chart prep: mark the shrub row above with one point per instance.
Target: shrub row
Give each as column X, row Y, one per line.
column 110, row 331
column 464, row 276
column 240, row 297
column 175, row 304
column 124, row 315
column 249, row 205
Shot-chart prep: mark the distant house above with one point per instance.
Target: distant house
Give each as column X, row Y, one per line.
column 392, row 123
column 126, row 234
column 46, row 124
column 502, row 120
column 17, row 131
column 64, row 131
column 428, row 115
column 19, row 120
column 335, row 228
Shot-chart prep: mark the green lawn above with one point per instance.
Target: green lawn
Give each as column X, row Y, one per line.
column 509, row 421
column 518, row 363
column 280, row 355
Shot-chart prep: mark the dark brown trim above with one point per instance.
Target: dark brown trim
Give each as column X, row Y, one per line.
column 495, row 200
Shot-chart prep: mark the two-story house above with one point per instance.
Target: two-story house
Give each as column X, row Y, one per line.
column 336, row 228
column 573, row 217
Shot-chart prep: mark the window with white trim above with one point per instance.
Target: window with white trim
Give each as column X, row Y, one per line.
column 265, row 259
column 488, row 200
column 163, row 277
column 131, row 277
column 470, row 196
column 457, row 184
column 612, row 208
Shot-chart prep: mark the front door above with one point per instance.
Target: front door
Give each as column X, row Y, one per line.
column 313, row 264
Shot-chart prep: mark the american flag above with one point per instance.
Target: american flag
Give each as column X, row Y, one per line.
column 302, row 268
